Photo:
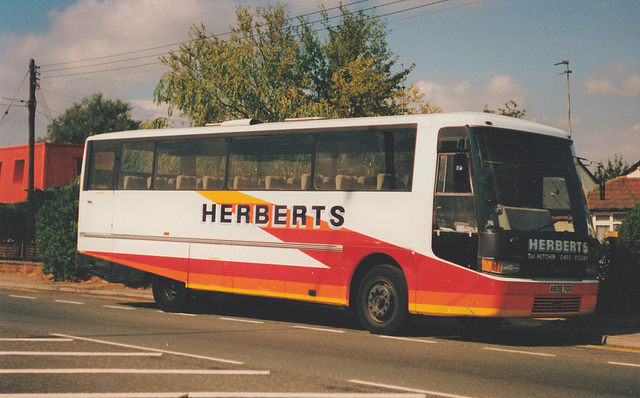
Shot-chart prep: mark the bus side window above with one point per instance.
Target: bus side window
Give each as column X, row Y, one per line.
column 101, row 171
column 271, row 163
column 369, row 160
column 136, row 165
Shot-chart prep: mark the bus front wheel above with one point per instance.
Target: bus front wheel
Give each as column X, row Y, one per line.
column 382, row 300
column 170, row 295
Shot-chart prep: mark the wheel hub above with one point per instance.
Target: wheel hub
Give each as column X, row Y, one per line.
column 380, row 302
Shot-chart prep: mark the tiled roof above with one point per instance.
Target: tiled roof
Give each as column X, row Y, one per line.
column 621, row 193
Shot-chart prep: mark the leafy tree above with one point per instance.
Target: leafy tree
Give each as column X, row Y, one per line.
column 510, row 109
column 93, row 115
column 157, row 123
column 612, row 170
column 271, row 69
column 414, row 98
column 56, row 232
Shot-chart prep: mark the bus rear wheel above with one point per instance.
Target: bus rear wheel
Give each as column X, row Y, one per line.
column 170, row 295
column 382, row 300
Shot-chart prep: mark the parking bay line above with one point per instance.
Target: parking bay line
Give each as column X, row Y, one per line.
column 183, row 394
column 413, row 390
column 135, row 347
column 138, row 371
column 36, row 339
column 80, row 354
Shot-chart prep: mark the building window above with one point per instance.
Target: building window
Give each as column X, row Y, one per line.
column 607, row 222
column 18, row 170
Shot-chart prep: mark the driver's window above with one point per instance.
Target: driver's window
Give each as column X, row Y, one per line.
column 454, row 203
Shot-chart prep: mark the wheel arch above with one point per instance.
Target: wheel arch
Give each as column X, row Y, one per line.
column 367, row 263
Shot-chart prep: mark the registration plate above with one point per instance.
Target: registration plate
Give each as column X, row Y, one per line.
column 560, row 288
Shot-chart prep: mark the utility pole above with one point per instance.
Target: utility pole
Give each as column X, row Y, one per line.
column 33, row 83
column 567, row 71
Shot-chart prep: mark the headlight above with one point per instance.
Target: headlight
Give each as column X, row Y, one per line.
column 500, row 267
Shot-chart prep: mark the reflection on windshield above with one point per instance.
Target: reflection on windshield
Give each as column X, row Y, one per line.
column 526, row 182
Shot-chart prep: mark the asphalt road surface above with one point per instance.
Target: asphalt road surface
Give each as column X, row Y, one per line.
column 59, row 345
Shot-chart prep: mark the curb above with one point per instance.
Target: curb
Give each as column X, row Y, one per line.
column 147, row 295
column 621, row 341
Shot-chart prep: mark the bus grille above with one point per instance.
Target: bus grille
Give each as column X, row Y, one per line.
column 548, row 305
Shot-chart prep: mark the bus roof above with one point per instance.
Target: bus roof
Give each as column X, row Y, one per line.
column 437, row 120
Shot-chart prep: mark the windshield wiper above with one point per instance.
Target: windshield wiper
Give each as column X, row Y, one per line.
column 538, row 229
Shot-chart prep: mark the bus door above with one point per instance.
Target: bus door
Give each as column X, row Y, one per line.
column 96, row 201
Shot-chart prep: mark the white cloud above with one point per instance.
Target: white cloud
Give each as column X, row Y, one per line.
column 456, row 93
column 613, row 80
column 609, row 142
column 92, row 29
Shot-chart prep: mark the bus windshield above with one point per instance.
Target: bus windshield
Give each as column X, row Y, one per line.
column 526, row 182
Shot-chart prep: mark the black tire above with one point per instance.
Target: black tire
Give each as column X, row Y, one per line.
column 170, row 295
column 382, row 302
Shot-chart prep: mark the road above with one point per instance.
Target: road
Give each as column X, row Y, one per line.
column 239, row 347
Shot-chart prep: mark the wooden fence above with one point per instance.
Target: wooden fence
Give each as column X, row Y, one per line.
column 18, row 251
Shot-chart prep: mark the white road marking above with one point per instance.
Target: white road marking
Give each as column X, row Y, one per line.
column 119, row 307
column 319, row 329
column 519, row 352
column 23, row 297
column 80, row 354
column 183, row 394
column 37, row 339
column 409, row 339
column 178, row 313
column 399, row 388
column 69, row 302
column 135, row 347
column 239, row 320
column 138, row 371
column 634, row 365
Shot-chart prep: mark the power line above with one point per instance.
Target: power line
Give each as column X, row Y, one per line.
column 75, row 74
column 14, row 98
column 173, row 44
column 437, row 11
column 103, row 70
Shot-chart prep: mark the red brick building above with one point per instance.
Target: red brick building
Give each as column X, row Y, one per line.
column 620, row 195
column 54, row 164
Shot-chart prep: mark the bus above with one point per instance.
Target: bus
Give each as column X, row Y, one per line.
column 468, row 215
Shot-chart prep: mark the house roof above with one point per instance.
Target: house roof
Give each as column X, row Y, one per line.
column 633, row 170
column 621, row 194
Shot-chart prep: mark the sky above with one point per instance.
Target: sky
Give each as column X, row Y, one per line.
column 467, row 54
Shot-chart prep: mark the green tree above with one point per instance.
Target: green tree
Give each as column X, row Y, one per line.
column 620, row 282
column 612, row 170
column 510, row 109
column 271, row 69
column 56, row 232
column 93, row 115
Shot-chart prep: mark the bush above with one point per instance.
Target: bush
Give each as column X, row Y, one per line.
column 620, row 283
column 628, row 257
column 56, row 233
